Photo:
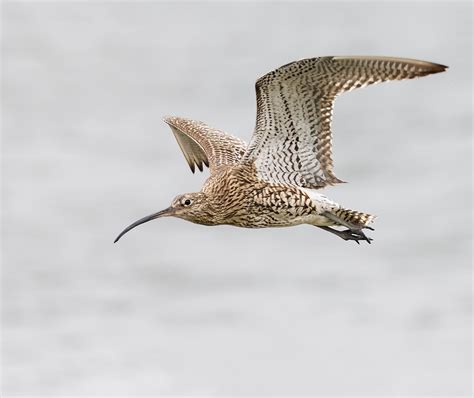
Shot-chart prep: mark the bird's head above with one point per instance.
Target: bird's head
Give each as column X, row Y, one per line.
column 192, row 207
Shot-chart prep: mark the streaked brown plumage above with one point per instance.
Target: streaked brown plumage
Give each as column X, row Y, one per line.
column 272, row 181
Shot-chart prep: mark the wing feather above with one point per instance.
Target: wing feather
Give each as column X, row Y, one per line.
column 204, row 145
column 292, row 142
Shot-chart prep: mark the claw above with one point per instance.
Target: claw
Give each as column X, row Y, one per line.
column 349, row 234
column 359, row 233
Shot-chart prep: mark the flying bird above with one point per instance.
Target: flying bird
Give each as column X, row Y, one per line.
column 274, row 180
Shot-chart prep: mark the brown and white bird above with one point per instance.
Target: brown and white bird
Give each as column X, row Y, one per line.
column 273, row 181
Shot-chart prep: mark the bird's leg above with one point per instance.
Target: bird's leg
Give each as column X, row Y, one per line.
column 348, row 234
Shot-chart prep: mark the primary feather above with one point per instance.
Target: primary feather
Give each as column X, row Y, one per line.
column 202, row 144
column 292, row 139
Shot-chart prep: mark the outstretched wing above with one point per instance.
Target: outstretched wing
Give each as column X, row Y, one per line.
column 292, row 139
column 202, row 144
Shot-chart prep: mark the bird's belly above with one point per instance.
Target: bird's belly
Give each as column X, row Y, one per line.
column 313, row 219
column 265, row 219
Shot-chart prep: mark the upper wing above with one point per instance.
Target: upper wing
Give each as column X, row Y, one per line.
column 292, row 139
column 202, row 144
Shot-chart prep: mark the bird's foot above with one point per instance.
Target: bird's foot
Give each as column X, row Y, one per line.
column 356, row 235
column 350, row 234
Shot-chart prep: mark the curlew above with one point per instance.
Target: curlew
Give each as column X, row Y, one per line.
column 273, row 181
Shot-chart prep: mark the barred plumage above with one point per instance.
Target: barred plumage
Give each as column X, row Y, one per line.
column 203, row 144
column 272, row 181
column 292, row 139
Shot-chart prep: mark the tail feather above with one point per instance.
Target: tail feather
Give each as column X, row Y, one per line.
column 352, row 218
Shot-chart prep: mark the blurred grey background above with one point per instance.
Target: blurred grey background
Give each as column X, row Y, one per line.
column 176, row 308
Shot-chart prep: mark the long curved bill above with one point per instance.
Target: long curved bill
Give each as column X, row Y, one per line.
column 166, row 212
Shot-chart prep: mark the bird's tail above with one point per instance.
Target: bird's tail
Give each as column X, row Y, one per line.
column 350, row 218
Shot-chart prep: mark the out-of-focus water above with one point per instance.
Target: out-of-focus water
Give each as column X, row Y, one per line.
column 176, row 308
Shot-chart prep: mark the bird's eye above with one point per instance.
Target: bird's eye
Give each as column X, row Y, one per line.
column 187, row 202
